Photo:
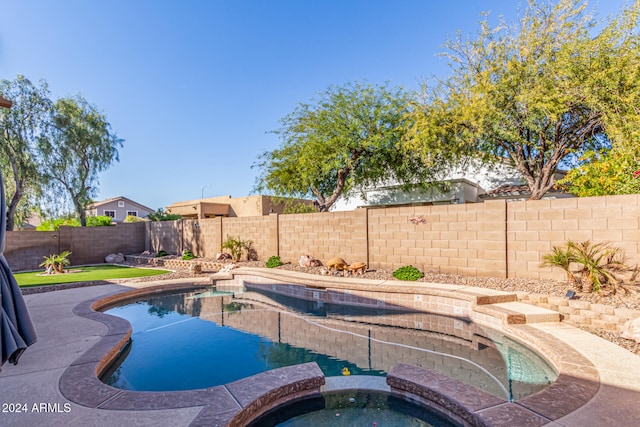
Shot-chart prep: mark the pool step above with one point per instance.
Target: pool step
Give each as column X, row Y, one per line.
column 518, row 313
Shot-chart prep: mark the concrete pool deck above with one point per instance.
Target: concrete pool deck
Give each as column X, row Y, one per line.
column 31, row 391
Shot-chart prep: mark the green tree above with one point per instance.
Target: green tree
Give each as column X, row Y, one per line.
column 20, row 128
column 80, row 144
column 541, row 93
column 161, row 215
column 347, row 140
column 603, row 174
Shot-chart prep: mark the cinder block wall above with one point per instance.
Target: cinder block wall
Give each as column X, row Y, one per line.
column 459, row 239
column 535, row 226
column 495, row 238
column 89, row 245
column 324, row 236
column 203, row 236
column 254, row 228
column 164, row 235
column 25, row 250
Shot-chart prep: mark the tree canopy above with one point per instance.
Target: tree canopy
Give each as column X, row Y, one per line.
column 79, row 145
column 349, row 138
column 542, row 93
column 20, row 127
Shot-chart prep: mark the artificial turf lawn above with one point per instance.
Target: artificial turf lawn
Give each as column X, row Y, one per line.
column 88, row 274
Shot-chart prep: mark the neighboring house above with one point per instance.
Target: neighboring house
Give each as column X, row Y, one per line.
column 118, row 208
column 5, row 103
column 31, row 223
column 228, row 207
column 471, row 182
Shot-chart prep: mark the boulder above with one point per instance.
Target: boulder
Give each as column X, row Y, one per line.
column 114, row 258
column 306, row 261
column 631, row 330
column 195, row 268
column 223, row 257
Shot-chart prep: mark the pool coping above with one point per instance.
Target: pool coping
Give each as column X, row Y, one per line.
column 239, row 402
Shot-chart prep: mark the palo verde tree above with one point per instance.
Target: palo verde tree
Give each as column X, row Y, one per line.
column 613, row 86
column 20, row 128
column 78, row 146
column 346, row 140
column 542, row 92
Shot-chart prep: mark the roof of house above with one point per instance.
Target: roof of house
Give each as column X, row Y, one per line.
column 508, row 191
column 96, row 204
column 5, row 102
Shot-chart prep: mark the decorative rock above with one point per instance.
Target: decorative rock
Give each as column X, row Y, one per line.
column 358, row 267
column 337, row 264
column 307, row 261
column 631, row 330
column 195, row 268
column 223, row 256
column 114, row 258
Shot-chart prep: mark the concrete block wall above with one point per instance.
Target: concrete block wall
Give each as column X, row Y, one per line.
column 494, row 239
column 324, row 236
column 25, row 250
column 202, row 236
column 165, row 236
column 254, row 228
column 89, row 245
column 459, row 239
column 535, row 226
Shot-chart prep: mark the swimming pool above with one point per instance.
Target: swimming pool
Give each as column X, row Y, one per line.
column 191, row 340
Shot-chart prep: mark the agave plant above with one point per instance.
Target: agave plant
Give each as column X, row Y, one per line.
column 600, row 263
column 562, row 257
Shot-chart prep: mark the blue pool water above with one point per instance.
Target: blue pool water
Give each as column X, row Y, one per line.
column 196, row 340
column 175, row 351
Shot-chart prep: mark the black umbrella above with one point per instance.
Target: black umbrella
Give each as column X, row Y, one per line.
column 16, row 330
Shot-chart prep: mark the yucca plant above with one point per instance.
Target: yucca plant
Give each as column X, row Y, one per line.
column 600, row 263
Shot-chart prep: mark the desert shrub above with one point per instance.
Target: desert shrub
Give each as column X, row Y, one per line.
column 161, row 215
column 55, row 224
column 99, row 221
column 133, row 219
column 92, row 221
column 236, row 246
column 408, row 272
column 187, row 255
column 161, row 253
column 274, row 262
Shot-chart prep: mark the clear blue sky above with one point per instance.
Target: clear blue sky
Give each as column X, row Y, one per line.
column 194, row 87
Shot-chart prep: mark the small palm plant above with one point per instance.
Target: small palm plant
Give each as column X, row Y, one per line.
column 55, row 263
column 236, row 246
column 600, row 263
column 562, row 257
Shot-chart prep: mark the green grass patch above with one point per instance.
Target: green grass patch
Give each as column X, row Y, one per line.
column 88, row 274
